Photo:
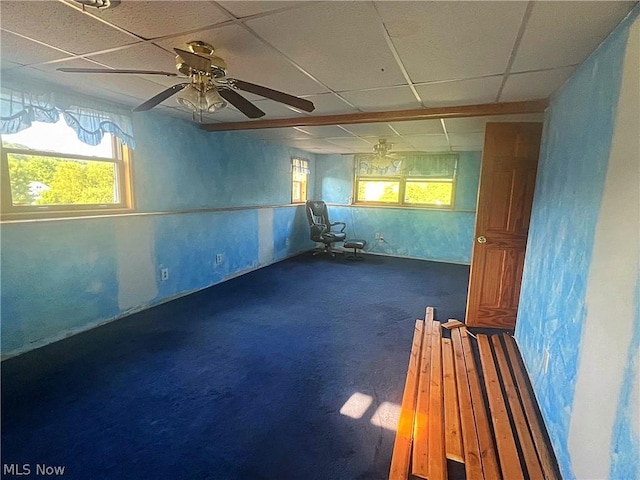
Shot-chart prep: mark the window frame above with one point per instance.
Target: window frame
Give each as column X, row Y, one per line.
column 303, row 184
column 122, row 156
column 402, row 179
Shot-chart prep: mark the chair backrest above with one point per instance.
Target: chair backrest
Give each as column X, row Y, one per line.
column 318, row 217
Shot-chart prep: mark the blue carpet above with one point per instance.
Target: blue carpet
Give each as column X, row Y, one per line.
column 244, row 380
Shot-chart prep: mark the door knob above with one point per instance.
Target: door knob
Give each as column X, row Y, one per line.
column 482, row 239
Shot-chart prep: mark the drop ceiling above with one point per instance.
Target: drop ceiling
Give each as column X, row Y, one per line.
column 346, row 57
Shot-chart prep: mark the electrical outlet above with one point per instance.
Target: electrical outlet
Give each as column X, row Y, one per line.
column 378, row 236
column 287, row 243
column 219, row 258
column 164, row 274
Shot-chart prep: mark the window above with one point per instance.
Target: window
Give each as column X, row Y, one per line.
column 411, row 179
column 299, row 177
column 46, row 170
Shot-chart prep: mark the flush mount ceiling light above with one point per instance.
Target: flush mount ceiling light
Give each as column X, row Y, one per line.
column 99, row 4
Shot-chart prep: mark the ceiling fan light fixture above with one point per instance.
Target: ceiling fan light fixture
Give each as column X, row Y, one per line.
column 382, row 148
column 214, row 101
column 189, row 97
column 201, row 101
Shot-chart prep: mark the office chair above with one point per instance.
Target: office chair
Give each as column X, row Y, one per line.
column 321, row 227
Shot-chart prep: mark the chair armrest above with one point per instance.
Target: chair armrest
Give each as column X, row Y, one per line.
column 344, row 225
column 319, row 228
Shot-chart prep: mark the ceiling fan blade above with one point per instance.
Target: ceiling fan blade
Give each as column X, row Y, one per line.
column 241, row 103
column 109, row 70
column 159, row 98
column 202, row 64
column 281, row 97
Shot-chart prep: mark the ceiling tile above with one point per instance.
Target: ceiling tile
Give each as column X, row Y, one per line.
column 473, row 141
column 160, row 18
column 340, row 43
column 145, row 56
column 565, row 33
column 248, row 59
column 274, row 109
column 425, row 141
column 465, row 92
column 452, row 40
column 246, row 9
column 324, row 131
column 6, row 65
column 74, row 83
column 477, row 124
column 278, row 133
column 313, row 145
column 328, row 104
column 378, row 130
column 61, row 26
column 527, row 86
column 353, row 143
column 417, row 127
column 25, row 52
column 396, row 98
column 131, row 89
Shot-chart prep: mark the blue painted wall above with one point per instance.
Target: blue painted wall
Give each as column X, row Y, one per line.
column 440, row 235
column 64, row 276
column 579, row 127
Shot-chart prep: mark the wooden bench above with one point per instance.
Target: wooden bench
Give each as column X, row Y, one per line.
column 458, row 409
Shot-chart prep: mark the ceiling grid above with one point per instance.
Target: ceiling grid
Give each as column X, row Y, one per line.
column 345, row 57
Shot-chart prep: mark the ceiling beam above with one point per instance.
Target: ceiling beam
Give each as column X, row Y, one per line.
column 511, row 108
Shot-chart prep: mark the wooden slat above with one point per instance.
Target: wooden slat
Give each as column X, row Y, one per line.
column 420, row 458
column 452, row 323
column 452, row 434
column 539, row 439
column 429, row 315
column 490, row 467
column 534, row 470
column 401, row 456
column 437, row 457
column 505, row 441
column 471, row 449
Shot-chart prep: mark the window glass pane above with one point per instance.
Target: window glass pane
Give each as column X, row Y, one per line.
column 38, row 180
column 429, row 192
column 378, row 191
column 57, row 137
column 296, row 195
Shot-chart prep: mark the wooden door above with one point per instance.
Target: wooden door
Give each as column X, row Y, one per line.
column 507, row 182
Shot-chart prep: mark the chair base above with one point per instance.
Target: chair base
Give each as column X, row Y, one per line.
column 327, row 248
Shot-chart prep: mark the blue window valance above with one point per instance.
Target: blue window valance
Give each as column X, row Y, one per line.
column 19, row 109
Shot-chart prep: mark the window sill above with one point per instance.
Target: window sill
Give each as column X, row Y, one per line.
column 400, row 207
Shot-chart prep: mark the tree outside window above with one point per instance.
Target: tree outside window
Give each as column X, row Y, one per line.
column 47, row 169
column 409, row 179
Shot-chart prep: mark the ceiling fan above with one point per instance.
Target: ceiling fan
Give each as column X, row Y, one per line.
column 209, row 88
column 382, row 149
